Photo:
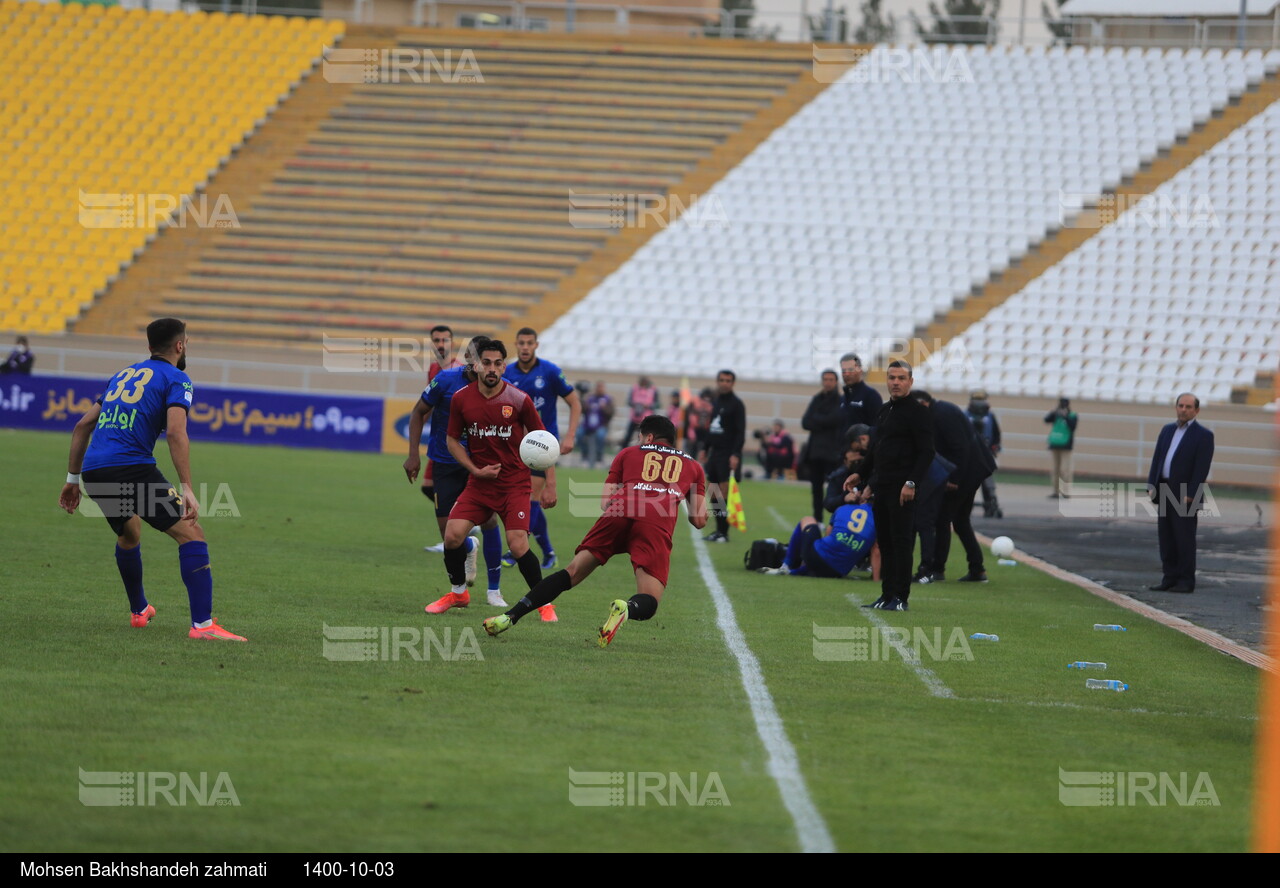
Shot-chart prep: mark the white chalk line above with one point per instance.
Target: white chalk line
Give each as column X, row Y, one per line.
column 783, row 763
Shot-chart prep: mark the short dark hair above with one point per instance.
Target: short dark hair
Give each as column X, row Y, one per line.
column 162, row 333
column 527, row 331
column 1190, row 395
column 903, row 364
column 857, row 430
column 829, row 372
column 733, row 377
column 922, row 395
column 491, row 345
column 850, row 356
column 472, row 350
column 442, row 328
column 660, row 427
column 22, row 340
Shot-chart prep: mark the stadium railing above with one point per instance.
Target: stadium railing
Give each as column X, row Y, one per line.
column 1112, row 445
column 1187, row 33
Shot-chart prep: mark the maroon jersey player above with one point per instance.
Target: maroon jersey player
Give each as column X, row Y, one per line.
column 495, row 417
column 642, row 497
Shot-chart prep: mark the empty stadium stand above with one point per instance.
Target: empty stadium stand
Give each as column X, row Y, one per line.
column 888, row 199
column 1180, row 292
column 109, row 118
column 445, row 196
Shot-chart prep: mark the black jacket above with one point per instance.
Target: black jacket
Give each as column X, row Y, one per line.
column 902, row 448
column 824, row 420
column 860, row 403
column 835, row 486
column 955, row 438
column 727, row 431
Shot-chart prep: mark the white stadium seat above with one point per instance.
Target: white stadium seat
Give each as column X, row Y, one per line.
column 1194, row 300
column 893, row 193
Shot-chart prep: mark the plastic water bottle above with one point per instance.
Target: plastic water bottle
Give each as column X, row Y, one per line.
column 1006, row 562
column 982, row 636
column 1105, row 684
column 1085, row 664
column 1109, row 627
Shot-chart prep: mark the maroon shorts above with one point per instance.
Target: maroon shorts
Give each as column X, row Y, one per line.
column 479, row 501
column 428, row 474
column 648, row 544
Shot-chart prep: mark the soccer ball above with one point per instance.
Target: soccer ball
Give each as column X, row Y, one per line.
column 539, row 449
column 1002, row 547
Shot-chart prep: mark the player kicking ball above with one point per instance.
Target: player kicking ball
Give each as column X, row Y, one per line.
column 494, row 417
column 641, row 501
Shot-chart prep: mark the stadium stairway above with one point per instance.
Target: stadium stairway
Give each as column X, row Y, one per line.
column 385, row 207
column 258, row 161
column 1091, row 221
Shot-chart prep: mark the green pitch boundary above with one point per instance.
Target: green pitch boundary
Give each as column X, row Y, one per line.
column 1191, row 630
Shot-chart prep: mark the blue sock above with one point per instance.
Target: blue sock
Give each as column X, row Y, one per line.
column 792, row 558
column 493, row 555
column 538, row 527
column 130, row 563
column 193, row 559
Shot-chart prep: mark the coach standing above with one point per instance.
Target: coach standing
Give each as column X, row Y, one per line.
column 824, row 421
column 1179, row 469
column 726, row 433
column 900, row 455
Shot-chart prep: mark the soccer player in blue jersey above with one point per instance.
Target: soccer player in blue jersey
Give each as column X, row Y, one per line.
column 113, row 445
column 450, row 477
column 849, row 539
column 543, row 382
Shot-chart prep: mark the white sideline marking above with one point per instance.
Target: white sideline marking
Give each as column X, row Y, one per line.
column 783, row 765
column 777, row 516
column 924, row 673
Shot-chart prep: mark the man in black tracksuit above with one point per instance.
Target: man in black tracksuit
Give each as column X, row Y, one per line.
column 824, row 421
column 900, row 455
column 726, row 433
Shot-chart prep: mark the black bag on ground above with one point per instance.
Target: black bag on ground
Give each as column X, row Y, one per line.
column 764, row 553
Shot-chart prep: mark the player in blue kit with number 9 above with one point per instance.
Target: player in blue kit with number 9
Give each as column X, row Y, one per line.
column 849, row 539
column 113, row 446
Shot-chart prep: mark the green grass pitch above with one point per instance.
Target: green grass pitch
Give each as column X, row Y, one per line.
column 474, row 753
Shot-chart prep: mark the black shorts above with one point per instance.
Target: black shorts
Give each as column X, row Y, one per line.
column 124, row 491
column 450, row 481
column 717, row 467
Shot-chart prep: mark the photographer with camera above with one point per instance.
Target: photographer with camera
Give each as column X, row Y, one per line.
column 988, row 429
column 777, row 450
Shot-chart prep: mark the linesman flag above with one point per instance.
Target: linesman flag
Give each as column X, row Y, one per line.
column 737, row 519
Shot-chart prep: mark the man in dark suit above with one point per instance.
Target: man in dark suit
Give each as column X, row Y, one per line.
column 955, row 439
column 1179, row 469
